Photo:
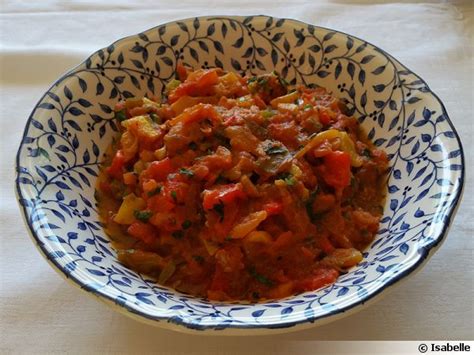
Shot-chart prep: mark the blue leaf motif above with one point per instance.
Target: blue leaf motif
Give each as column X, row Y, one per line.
column 258, row 313
column 176, row 307
column 142, row 296
column 404, row 248
column 393, row 204
column 95, row 272
column 342, row 291
column 415, row 147
column 426, row 114
column 287, row 310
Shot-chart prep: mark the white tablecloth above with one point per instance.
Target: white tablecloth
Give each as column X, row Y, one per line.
column 40, row 313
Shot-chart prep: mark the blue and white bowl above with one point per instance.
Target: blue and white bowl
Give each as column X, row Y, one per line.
column 72, row 124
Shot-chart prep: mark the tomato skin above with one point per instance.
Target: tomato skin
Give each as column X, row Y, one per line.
column 197, row 85
column 337, row 169
column 182, row 72
column 273, row 208
column 116, row 168
column 142, row 231
column 324, row 118
column 224, row 193
column 159, row 170
column 320, row 278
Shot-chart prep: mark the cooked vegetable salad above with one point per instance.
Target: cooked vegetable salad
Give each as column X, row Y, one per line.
column 240, row 188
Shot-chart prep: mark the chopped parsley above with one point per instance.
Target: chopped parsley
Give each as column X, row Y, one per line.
column 154, row 192
column 186, row 172
column 290, row 180
column 287, row 178
column 174, row 195
column 307, row 107
column 186, row 224
column 259, row 277
column 219, row 209
column 155, row 118
column 276, row 150
column 268, row 113
column 252, row 79
column 193, row 146
column 120, row 115
column 143, row 216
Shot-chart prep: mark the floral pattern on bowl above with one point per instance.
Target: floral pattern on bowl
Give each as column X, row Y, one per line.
column 71, row 126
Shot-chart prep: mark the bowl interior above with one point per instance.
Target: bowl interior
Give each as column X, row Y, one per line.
column 72, row 125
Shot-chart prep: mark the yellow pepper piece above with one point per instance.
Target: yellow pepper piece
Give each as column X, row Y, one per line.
column 249, row 224
column 285, row 99
column 346, row 145
column 130, row 204
column 141, row 127
column 258, row 237
column 187, row 101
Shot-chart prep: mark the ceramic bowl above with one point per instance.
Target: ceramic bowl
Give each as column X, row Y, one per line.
column 72, row 124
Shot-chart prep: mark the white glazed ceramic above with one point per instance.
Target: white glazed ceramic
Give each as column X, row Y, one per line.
column 72, row 124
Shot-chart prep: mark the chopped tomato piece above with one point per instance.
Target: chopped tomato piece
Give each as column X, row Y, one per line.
column 142, row 231
column 321, row 277
column 222, row 193
column 159, row 170
column 198, row 83
column 273, row 208
column 116, row 168
column 337, row 172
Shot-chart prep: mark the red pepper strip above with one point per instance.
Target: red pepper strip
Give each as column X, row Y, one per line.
column 224, row 193
column 337, row 172
column 116, row 168
column 321, row 277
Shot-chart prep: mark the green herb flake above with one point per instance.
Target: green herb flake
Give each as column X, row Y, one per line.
column 186, row 224
column 252, row 79
column 177, row 234
column 366, row 153
column 155, row 118
column 276, row 150
column 193, row 146
column 228, row 238
column 290, row 180
column 174, row 195
column 186, row 172
column 143, row 216
column 267, row 114
column 121, row 115
column 154, row 192
column 219, row 209
column 260, row 278
column 307, row 107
